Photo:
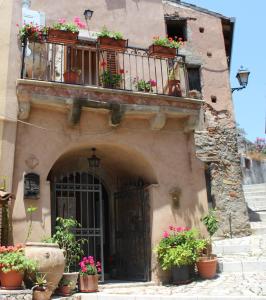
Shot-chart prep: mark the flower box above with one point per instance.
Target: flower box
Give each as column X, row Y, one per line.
column 62, row 36
column 107, row 43
column 162, row 51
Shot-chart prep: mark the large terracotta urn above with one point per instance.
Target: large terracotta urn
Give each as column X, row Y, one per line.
column 51, row 262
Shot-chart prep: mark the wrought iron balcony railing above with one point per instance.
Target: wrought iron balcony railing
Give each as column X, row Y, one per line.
column 132, row 70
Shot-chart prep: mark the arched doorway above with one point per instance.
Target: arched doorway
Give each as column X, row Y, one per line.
column 111, row 203
column 81, row 195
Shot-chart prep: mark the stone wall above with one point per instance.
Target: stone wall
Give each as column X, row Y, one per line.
column 217, row 147
column 16, row 295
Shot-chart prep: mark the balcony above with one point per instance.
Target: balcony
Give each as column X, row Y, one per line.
column 86, row 76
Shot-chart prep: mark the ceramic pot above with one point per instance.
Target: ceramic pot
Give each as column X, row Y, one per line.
column 70, row 281
column 174, row 88
column 88, row 283
column 207, row 267
column 11, row 280
column 41, row 294
column 182, row 274
column 50, row 260
column 71, row 77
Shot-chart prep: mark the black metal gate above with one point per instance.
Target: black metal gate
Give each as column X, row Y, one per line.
column 79, row 195
column 132, row 234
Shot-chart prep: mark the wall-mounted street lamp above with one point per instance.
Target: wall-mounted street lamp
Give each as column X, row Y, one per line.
column 242, row 77
column 88, row 14
column 94, row 161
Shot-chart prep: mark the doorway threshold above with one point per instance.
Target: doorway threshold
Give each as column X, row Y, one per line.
column 113, row 283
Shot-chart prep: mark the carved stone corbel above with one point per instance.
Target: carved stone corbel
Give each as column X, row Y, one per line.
column 158, row 121
column 24, row 110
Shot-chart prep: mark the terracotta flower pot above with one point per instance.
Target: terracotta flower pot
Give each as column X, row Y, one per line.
column 70, row 280
column 11, row 280
column 161, row 51
column 207, row 267
column 71, row 77
column 88, row 283
column 112, row 44
column 41, row 294
column 50, row 260
column 174, row 88
column 62, row 36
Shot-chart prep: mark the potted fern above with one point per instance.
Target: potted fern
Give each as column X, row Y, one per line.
column 207, row 264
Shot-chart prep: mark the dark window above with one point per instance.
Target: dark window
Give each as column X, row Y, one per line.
column 177, row 29
column 194, row 78
column 247, row 163
column 31, row 185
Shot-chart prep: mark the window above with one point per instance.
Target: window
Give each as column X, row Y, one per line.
column 177, row 28
column 194, row 78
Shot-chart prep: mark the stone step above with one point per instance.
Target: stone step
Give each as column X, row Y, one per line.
column 258, row 227
column 233, row 264
column 254, row 187
column 255, row 193
column 229, row 249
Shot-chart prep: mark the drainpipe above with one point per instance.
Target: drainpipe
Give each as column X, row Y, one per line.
column 26, row 3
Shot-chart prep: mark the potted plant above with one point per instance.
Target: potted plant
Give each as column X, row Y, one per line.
column 40, row 287
column 88, row 275
column 111, row 80
column 66, row 33
column 72, row 76
column 66, row 287
column 66, row 240
column 207, row 264
column 165, row 47
column 178, row 251
column 14, row 263
column 111, row 40
column 144, row 86
column 34, row 33
column 173, row 85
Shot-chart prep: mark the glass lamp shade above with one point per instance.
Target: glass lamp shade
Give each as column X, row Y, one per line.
column 88, row 14
column 242, row 77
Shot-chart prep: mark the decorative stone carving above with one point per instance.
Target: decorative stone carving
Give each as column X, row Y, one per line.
column 32, row 161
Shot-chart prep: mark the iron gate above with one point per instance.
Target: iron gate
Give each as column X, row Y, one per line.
column 132, row 234
column 79, row 195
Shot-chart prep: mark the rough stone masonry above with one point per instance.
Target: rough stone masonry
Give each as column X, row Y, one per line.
column 217, row 147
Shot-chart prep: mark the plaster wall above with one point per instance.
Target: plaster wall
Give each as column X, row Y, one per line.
column 165, row 158
column 208, row 50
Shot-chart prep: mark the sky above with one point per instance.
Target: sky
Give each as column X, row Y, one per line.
column 249, row 51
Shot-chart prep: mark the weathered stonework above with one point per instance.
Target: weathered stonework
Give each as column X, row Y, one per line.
column 217, row 145
column 16, row 295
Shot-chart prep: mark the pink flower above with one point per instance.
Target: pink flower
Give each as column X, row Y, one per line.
column 77, row 19
column 81, row 25
column 171, row 227
column 84, row 269
column 153, row 82
column 165, row 234
column 62, row 21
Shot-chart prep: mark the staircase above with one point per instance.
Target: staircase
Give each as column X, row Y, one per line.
column 255, row 195
column 247, row 254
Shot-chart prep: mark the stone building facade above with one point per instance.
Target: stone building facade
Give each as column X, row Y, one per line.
column 162, row 157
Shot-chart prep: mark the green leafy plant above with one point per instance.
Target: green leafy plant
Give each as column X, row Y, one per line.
column 144, row 86
column 12, row 258
column 66, row 240
column 30, row 210
column 167, row 42
column 72, row 26
column 110, row 34
column 181, row 246
column 212, row 225
column 65, row 282
column 110, row 80
column 35, row 32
